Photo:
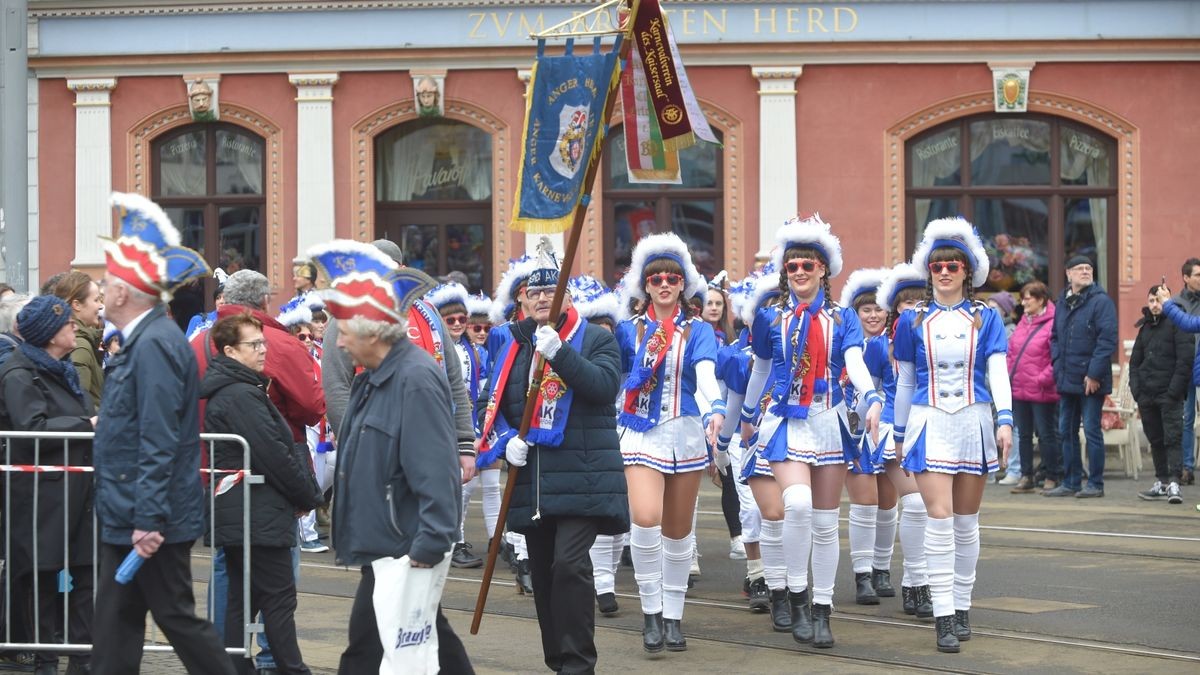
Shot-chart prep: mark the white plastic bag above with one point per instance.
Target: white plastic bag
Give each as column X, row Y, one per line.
column 406, row 601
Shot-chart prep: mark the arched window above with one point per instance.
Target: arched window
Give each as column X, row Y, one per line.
column 693, row 210
column 1038, row 188
column 433, row 196
column 209, row 180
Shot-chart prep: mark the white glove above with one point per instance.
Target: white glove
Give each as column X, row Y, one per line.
column 721, row 460
column 547, row 342
column 517, row 451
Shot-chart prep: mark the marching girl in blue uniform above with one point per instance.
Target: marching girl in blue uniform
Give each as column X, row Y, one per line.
column 950, row 355
column 602, row 307
column 805, row 341
column 509, row 304
column 670, row 358
column 901, row 289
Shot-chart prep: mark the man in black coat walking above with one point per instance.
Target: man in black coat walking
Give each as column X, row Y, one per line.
column 572, row 486
column 236, row 391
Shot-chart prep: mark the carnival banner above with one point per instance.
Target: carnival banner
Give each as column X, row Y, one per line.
column 675, row 107
column 646, row 159
column 563, row 122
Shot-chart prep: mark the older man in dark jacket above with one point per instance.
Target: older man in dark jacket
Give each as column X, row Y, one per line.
column 1082, row 343
column 573, row 484
column 148, row 495
column 238, row 404
column 1158, row 379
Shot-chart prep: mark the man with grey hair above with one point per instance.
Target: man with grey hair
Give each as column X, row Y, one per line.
column 147, row 454
column 337, row 371
column 10, row 336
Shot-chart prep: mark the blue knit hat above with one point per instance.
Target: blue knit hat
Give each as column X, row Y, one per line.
column 42, row 318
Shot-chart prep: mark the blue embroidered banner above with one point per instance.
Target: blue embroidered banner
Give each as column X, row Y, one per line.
column 563, row 131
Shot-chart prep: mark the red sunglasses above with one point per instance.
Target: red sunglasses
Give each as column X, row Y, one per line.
column 667, row 278
column 793, row 266
column 952, row 267
column 455, row 320
column 479, row 328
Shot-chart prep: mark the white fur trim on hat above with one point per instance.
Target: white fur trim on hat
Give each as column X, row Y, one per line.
column 479, row 305
column 811, row 231
column 607, row 304
column 764, row 287
column 516, row 274
column 654, row 246
column 900, row 275
column 964, row 232
column 447, row 294
column 295, row 316
column 862, row 280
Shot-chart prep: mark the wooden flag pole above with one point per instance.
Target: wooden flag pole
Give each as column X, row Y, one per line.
column 568, row 261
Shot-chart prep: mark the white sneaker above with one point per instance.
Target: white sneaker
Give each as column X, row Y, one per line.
column 1009, row 479
column 695, row 571
column 1173, row 496
column 737, row 550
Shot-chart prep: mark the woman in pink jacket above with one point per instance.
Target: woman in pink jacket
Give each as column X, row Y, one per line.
column 1035, row 398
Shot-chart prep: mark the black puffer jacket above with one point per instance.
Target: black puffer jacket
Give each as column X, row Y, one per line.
column 1160, row 359
column 585, row 475
column 238, row 404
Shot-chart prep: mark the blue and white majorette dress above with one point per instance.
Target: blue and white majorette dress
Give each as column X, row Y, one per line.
column 659, row 419
column 943, row 404
column 733, row 370
column 873, row 457
column 806, row 422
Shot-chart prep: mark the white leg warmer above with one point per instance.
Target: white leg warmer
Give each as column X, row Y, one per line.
column 308, row 526
column 518, row 543
column 797, row 534
column 885, row 538
column 755, row 570
column 966, row 555
column 677, row 560
column 825, row 553
column 774, row 564
column 912, row 539
column 862, row 536
column 490, row 481
column 748, row 511
column 646, row 548
column 603, row 570
column 467, row 490
column 939, row 556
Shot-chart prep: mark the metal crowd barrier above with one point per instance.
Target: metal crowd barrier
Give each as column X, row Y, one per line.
column 244, row 477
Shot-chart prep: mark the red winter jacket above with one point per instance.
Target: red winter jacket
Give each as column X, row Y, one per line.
column 1033, row 378
column 294, row 388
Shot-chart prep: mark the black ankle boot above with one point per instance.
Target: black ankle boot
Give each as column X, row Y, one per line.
column 864, row 592
column 924, row 602
column 781, row 613
column 822, row 634
column 674, row 633
column 802, row 623
column 882, row 581
column 947, row 641
column 524, row 578
column 908, row 599
column 652, row 632
column 962, row 625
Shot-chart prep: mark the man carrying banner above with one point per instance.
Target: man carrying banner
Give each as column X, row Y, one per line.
column 398, row 484
column 574, row 486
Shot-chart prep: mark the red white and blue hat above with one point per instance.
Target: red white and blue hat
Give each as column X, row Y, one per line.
column 810, row 232
column 902, row 276
column 955, row 233
column 864, row 280
column 655, row 247
column 147, row 253
column 449, row 293
column 364, row 282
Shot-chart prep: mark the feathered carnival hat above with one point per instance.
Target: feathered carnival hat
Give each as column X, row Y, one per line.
column 448, row 294
column 902, row 276
column 299, row 309
column 655, row 247
column 365, row 282
column 518, row 271
column 861, row 281
column 810, row 232
column 146, row 253
column 739, row 293
column 592, row 300
column 764, row 286
column 954, row 233
column 479, row 305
